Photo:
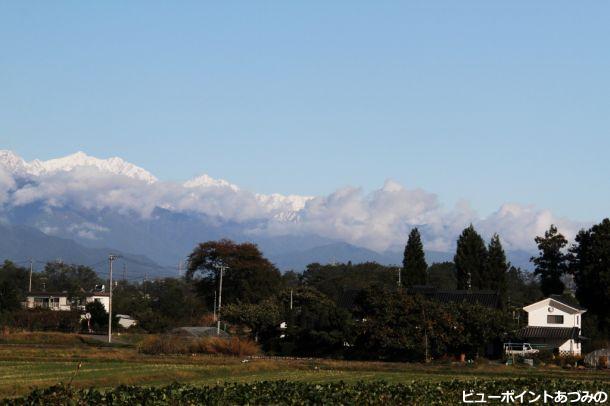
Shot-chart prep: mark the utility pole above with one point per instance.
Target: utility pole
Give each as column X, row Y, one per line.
column 221, row 268
column 399, row 277
column 124, row 272
column 31, row 268
column 214, row 304
column 290, row 299
column 426, row 357
column 111, row 258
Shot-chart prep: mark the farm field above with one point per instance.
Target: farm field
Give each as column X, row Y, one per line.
column 36, row 362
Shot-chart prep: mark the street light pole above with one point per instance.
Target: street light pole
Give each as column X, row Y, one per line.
column 221, row 268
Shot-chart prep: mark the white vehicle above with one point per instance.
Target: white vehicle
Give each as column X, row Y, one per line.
column 522, row 349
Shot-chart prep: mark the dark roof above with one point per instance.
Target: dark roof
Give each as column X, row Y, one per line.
column 487, row 298
column 562, row 300
column 549, row 332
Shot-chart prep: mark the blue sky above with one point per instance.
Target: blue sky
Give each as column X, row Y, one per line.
column 481, row 101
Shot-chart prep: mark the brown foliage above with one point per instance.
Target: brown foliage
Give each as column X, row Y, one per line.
column 168, row 344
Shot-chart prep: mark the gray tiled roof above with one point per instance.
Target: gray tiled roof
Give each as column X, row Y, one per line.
column 549, row 332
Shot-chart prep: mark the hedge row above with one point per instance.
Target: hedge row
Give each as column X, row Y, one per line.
column 301, row 393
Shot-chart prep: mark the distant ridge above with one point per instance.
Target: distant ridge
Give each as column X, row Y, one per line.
column 21, row 243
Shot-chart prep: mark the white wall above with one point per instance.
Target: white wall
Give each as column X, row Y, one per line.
column 30, row 303
column 570, row 346
column 538, row 317
column 105, row 300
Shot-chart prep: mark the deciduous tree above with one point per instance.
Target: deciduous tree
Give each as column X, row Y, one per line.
column 249, row 278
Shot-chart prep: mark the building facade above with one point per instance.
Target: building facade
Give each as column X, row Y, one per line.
column 555, row 324
column 47, row 300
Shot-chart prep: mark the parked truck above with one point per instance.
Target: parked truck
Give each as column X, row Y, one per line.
column 522, row 349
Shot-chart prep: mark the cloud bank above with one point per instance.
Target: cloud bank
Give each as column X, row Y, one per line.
column 378, row 220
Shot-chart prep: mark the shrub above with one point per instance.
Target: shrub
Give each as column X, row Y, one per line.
column 155, row 344
column 565, row 360
column 169, row 344
column 47, row 338
column 43, row 320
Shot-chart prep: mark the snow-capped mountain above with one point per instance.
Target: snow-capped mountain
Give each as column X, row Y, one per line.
column 117, row 166
column 85, row 184
column 205, row 181
column 113, row 203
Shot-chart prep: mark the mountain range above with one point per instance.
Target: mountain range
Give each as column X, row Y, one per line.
column 80, row 208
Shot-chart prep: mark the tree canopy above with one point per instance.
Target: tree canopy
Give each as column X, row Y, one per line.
column 341, row 282
column 76, row 280
column 249, row 277
column 590, row 266
column 551, row 262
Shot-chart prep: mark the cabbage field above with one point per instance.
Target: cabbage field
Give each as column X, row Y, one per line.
column 453, row 392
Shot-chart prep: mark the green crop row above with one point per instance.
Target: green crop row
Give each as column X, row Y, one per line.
column 300, row 393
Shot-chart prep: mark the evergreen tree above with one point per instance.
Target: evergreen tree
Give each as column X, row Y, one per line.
column 551, row 261
column 414, row 261
column 497, row 267
column 590, row 265
column 470, row 260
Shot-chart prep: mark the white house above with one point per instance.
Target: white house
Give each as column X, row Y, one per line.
column 102, row 297
column 555, row 323
column 47, row 300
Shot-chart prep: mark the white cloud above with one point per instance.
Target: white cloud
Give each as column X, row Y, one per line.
column 379, row 220
column 87, row 230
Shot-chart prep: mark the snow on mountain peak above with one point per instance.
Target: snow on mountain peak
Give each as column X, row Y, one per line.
column 204, row 181
column 277, row 201
column 37, row 167
column 11, row 161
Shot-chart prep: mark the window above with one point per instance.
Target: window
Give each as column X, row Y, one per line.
column 553, row 319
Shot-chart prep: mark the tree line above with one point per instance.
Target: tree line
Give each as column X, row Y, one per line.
column 350, row 309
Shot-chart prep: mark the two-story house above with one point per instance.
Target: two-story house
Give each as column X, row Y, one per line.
column 554, row 323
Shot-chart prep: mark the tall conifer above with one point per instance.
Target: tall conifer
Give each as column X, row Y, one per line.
column 551, row 262
column 497, row 267
column 470, row 260
column 414, row 261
